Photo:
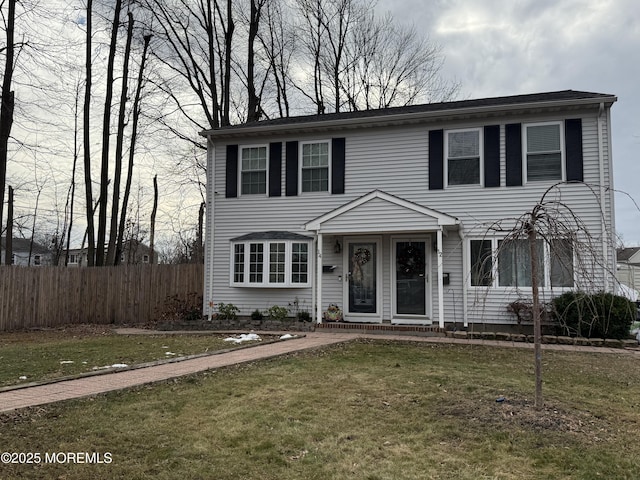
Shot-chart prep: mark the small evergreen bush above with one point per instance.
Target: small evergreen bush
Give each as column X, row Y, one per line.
column 257, row 315
column 227, row 311
column 599, row 315
column 277, row 313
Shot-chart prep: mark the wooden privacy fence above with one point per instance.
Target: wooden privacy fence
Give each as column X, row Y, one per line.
column 33, row 297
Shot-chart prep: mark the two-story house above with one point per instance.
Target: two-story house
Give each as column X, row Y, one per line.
column 26, row 252
column 388, row 213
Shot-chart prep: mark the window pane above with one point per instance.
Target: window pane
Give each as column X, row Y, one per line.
column 544, row 167
column 256, row 266
column 464, row 171
column 299, row 263
column 315, row 179
column 514, row 263
column 464, row 144
column 543, row 138
column 276, row 262
column 561, row 255
column 481, row 263
column 238, row 263
column 254, row 182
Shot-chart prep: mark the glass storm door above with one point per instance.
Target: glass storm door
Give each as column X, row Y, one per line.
column 362, row 277
column 410, row 278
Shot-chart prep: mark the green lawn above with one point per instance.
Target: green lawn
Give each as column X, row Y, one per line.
column 364, row 410
column 46, row 355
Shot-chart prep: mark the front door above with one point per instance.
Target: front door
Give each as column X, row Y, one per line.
column 361, row 287
column 410, row 281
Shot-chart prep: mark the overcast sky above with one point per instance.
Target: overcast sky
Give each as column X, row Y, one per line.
column 510, row 47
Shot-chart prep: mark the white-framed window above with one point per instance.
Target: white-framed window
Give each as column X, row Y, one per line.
column 507, row 263
column 543, row 152
column 463, row 164
column 315, row 166
column 253, row 170
column 37, row 260
column 73, row 259
column 481, row 253
column 271, row 263
column 145, row 258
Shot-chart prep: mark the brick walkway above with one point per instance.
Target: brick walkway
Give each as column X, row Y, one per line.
column 93, row 385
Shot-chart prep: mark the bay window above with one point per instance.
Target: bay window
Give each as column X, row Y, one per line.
column 271, row 263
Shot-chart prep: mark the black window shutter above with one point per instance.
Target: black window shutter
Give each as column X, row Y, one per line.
column 573, row 146
column 513, row 146
column 436, row 159
column 231, row 174
column 275, row 169
column 492, row 156
column 337, row 165
column 291, row 169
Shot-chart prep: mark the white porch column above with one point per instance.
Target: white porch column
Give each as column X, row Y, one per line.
column 319, row 279
column 440, row 281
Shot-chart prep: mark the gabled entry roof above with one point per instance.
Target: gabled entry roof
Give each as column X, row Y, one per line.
column 379, row 211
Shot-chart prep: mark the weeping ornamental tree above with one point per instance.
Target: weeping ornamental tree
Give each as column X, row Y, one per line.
column 575, row 254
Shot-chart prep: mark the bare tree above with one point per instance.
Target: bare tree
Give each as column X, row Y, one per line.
column 7, row 98
column 86, row 128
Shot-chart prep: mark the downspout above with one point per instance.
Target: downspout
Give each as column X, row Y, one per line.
column 465, row 283
column 207, row 298
column 612, row 233
column 603, row 209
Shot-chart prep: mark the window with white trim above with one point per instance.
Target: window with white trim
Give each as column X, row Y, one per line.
column 253, row 170
column 73, row 259
column 464, row 158
column 271, row 263
column 315, row 167
column 543, row 151
column 481, row 263
column 507, row 263
column 37, row 260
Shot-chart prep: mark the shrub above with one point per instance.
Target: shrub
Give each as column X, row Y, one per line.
column 178, row 308
column 277, row 313
column 599, row 315
column 304, row 316
column 227, row 311
column 257, row 315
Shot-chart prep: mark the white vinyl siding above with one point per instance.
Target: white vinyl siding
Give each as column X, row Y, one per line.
column 253, row 170
column 463, row 163
column 544, row 147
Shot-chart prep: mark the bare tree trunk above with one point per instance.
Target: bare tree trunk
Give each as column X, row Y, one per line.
column 72, row 189
column 132, row 148
column 106, row 124
column 200, row 235
column 87, row 144
column 153, row 219
column 253, row 107
column 33, row 225
column 8, row 241
column 226, row 89
column 537, row 330
column 7, row 101
column 115, row 203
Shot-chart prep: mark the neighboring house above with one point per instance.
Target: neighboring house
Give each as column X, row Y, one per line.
column 628, row 267
column 385, row 212
column 134, row 253
column 26, row 253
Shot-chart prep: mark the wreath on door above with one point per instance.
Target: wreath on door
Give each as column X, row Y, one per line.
column 411, row 261
column 360, row 257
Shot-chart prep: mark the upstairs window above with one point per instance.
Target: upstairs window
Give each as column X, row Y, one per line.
column 253, row 171
column 463, row 161
column 543, row 152
column 315, row 167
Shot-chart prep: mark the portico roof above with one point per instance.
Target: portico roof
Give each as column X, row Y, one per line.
column 381, row 212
